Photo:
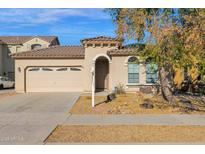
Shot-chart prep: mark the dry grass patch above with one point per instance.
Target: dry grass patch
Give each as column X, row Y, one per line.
column 127, row 104
column 127, row 134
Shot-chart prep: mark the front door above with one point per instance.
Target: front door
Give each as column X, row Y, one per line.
column 101, row 74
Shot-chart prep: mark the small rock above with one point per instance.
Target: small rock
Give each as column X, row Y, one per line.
column 146, row 90
column 147, row 105
column 192, row 107
column 189, row 106
column 118, row 112
column 185, row 101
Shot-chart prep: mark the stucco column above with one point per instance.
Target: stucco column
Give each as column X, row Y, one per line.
column 93, row 84
column 110, row 78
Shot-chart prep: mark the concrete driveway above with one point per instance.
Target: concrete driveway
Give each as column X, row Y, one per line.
column 30, row 118
column 6, row 91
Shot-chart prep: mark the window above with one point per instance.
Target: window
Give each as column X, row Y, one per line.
column 75, row 69
column 133, row 70
column 151, row 73
column 36, row 46
column 46, row 69
column 62, row 69
column 34, row 69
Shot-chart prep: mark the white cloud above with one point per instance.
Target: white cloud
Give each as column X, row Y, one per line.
column 79, row 30
column 28, row 17
column 55, row 22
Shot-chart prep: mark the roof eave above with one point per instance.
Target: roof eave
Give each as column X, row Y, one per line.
column 17, row 57
column 123, row 54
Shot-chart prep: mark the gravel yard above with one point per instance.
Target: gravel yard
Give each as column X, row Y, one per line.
column 127, row 134
column 132, row 104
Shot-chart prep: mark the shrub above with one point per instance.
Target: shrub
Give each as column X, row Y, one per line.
column 120, row 88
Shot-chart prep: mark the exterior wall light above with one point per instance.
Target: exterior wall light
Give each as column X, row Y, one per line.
column 19, row 69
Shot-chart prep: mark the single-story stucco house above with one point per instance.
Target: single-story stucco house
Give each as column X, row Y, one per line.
column 102, row 59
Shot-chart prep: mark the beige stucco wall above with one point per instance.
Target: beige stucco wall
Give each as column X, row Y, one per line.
column 23, row 64
column 90, row 54
column 119, row 74
column 8, row 62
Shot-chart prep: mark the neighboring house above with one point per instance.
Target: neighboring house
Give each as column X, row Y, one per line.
column 71, row 68
column 16, row 44
column 1, row 58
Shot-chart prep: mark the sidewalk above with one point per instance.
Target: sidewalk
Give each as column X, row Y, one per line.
column 146, row 119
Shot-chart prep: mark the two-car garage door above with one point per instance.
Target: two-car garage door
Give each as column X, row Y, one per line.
column 54, row 79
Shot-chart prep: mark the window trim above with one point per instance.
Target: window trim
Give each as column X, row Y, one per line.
column 33, row 45
column 137, row 73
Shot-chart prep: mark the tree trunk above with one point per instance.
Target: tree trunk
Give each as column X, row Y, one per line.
column 166, row 86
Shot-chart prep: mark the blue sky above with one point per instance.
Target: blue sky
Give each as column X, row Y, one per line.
column 70, row 25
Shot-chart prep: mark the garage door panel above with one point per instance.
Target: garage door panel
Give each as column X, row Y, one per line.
column 54, row 81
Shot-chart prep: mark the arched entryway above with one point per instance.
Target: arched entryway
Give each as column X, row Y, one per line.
column 101, row 74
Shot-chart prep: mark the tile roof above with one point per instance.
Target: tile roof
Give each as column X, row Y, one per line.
column 126, row 50
column 101, row 38
column 55, row 52
column 23, row 39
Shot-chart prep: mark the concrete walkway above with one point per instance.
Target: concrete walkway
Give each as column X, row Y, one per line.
column 30, row 118
column 146, row 119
